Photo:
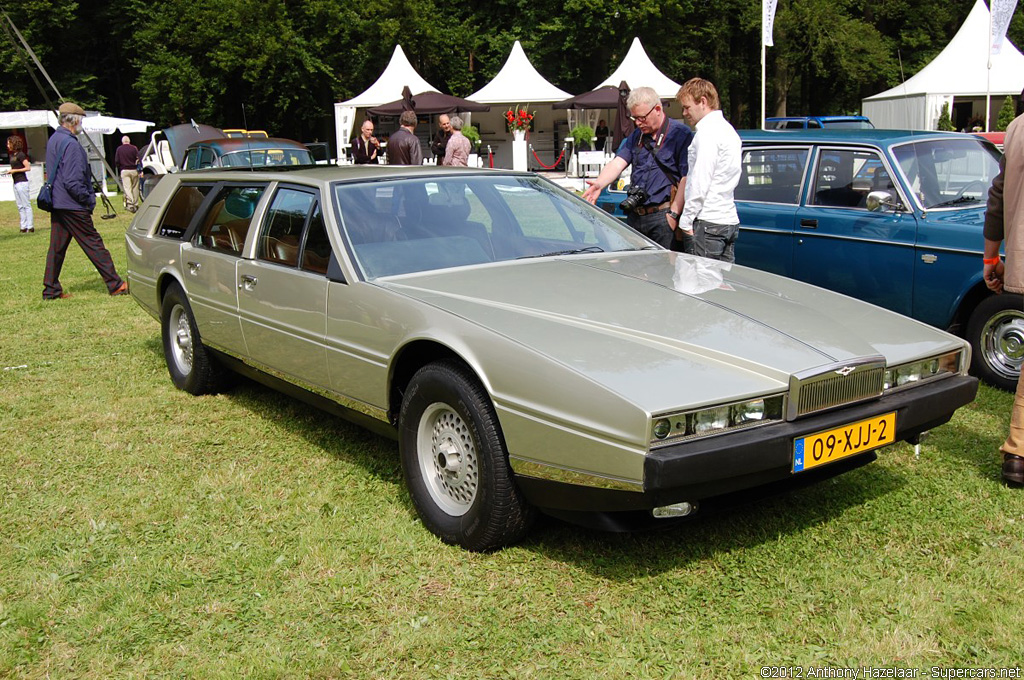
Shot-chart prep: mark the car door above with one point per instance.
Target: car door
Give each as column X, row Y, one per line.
column 282, row 295
column 210, row 260
column 843, row 246
column 767, row 200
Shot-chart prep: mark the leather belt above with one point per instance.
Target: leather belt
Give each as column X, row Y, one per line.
column 651, row 208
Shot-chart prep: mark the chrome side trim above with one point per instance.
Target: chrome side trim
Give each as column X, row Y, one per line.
column 555, row 473
column 370, row 410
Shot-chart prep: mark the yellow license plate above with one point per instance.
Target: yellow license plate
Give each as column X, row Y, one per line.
column 848, row 440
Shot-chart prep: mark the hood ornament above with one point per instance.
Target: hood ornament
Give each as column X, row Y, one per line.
column 846, row 370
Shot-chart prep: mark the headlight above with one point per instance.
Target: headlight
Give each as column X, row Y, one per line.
column 908, row 374
column 715, row 419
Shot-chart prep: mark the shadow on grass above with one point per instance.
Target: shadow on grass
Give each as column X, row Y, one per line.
column 615, row 556
column 740, row 525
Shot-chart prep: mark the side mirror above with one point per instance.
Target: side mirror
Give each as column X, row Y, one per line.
column 878, row 200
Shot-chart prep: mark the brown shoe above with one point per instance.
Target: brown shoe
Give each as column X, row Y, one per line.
column 1013, row 470
column 121, row 290
column 62, row 296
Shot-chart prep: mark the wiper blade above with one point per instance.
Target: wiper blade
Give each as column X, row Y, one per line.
column 576, row 251
column 957, row 201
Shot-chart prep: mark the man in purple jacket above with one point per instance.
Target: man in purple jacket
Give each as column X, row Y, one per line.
column 73, row 203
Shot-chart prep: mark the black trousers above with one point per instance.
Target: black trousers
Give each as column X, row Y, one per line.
column 77, row 224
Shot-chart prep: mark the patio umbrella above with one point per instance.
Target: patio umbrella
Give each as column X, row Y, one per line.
column 606, row 97
column 408, row 103
column 623, row 124
column 427, row 104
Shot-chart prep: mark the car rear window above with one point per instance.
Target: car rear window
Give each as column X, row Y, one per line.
column 227, row 223
column 181, row 209
column 771, row 175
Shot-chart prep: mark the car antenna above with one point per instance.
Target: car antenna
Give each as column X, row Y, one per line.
column 248, row 147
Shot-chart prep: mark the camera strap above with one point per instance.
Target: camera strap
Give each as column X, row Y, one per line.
column 653, row 150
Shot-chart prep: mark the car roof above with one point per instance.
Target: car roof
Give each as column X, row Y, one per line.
column 233, row 144
column 824, row 118
column 869, row 136
column 333, row 173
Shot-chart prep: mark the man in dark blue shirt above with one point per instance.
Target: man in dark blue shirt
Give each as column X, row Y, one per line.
column 656, row 213
column 67, row 167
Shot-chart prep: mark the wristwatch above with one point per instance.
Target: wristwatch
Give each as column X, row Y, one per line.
column 674, row 215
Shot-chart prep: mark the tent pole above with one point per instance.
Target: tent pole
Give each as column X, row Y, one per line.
column 763, row 117
column 988, row 75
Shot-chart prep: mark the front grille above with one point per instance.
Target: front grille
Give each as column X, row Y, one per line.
column 839, row 385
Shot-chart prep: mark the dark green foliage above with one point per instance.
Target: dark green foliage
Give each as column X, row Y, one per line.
column 280, row 65
column 1006, row 114
column 945, row 123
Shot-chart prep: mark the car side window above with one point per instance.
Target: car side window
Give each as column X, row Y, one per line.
column 316, row 251
column 843, row 178
column 282, row 231
column 226, row 224
column 181, row 209
column 771, row 175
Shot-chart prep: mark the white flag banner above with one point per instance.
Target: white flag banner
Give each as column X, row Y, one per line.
column 768, row 20
column 1002, row 12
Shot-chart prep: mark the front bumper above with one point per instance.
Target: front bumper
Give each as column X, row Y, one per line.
column 728, row 463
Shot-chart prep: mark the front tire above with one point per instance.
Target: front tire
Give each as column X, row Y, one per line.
column 190, row 364
column 455, row 462
column 996, row 333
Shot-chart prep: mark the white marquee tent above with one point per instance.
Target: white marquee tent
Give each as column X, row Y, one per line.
column 959, row 75
column 387, row 88
column 519, row 84
column 637, row 70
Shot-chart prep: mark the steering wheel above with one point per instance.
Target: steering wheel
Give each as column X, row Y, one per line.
column 981, row 184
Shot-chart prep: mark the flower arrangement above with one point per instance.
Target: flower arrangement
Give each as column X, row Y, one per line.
column 518, row 119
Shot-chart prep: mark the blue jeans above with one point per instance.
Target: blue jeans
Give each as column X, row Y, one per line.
column 716, row 241
column 654, row 226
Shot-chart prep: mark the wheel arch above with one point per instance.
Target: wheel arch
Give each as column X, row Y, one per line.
column 968, row 303
column 411, row 358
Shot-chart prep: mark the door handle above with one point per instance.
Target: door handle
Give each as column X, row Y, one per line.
column 809, row 224
column 248, row 282
column 194, row 267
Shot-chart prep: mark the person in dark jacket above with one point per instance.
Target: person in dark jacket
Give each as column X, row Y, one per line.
column 365, row 146
column 404, row 145
column 126, row 162
column 73, row 203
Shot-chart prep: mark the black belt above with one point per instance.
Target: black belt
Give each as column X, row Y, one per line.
column 651, row 208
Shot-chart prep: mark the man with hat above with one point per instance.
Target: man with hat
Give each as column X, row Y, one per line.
column 73, row 203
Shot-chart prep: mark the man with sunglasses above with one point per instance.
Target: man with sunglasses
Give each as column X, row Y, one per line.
column 657, row 151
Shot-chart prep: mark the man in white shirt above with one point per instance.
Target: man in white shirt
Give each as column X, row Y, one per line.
column 709, row 213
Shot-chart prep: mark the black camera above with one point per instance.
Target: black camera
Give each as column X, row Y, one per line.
column 635, row 197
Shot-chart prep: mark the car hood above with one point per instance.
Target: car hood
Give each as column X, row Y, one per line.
column 664, row 329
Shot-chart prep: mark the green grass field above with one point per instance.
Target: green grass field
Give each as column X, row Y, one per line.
column 148, row 533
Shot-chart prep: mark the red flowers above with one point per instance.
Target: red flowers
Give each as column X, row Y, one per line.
column 518, row 119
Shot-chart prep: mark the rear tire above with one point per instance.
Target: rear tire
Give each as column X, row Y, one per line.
column 455, row 462
column 996, row 333
column 192, row 367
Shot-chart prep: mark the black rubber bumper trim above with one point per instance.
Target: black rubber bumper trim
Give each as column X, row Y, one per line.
column 729, row 463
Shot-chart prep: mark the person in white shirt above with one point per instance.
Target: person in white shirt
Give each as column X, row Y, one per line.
column 709, row 213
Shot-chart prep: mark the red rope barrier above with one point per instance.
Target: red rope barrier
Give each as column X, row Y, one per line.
column 541, row 163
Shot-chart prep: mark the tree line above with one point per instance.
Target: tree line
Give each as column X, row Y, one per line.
column 279, row 65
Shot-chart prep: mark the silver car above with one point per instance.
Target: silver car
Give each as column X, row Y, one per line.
column 528, row 351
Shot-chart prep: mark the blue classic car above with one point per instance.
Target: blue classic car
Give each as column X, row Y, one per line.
column 887, row 216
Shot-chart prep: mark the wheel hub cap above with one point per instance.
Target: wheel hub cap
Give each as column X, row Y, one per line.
column 448, row 459
column 1003, row 342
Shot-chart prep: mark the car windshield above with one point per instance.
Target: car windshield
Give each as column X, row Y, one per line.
column 848, row 124
column 948, row 173
column 258, row 158
column 415, row 225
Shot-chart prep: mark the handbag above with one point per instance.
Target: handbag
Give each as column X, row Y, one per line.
column 45, row 198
